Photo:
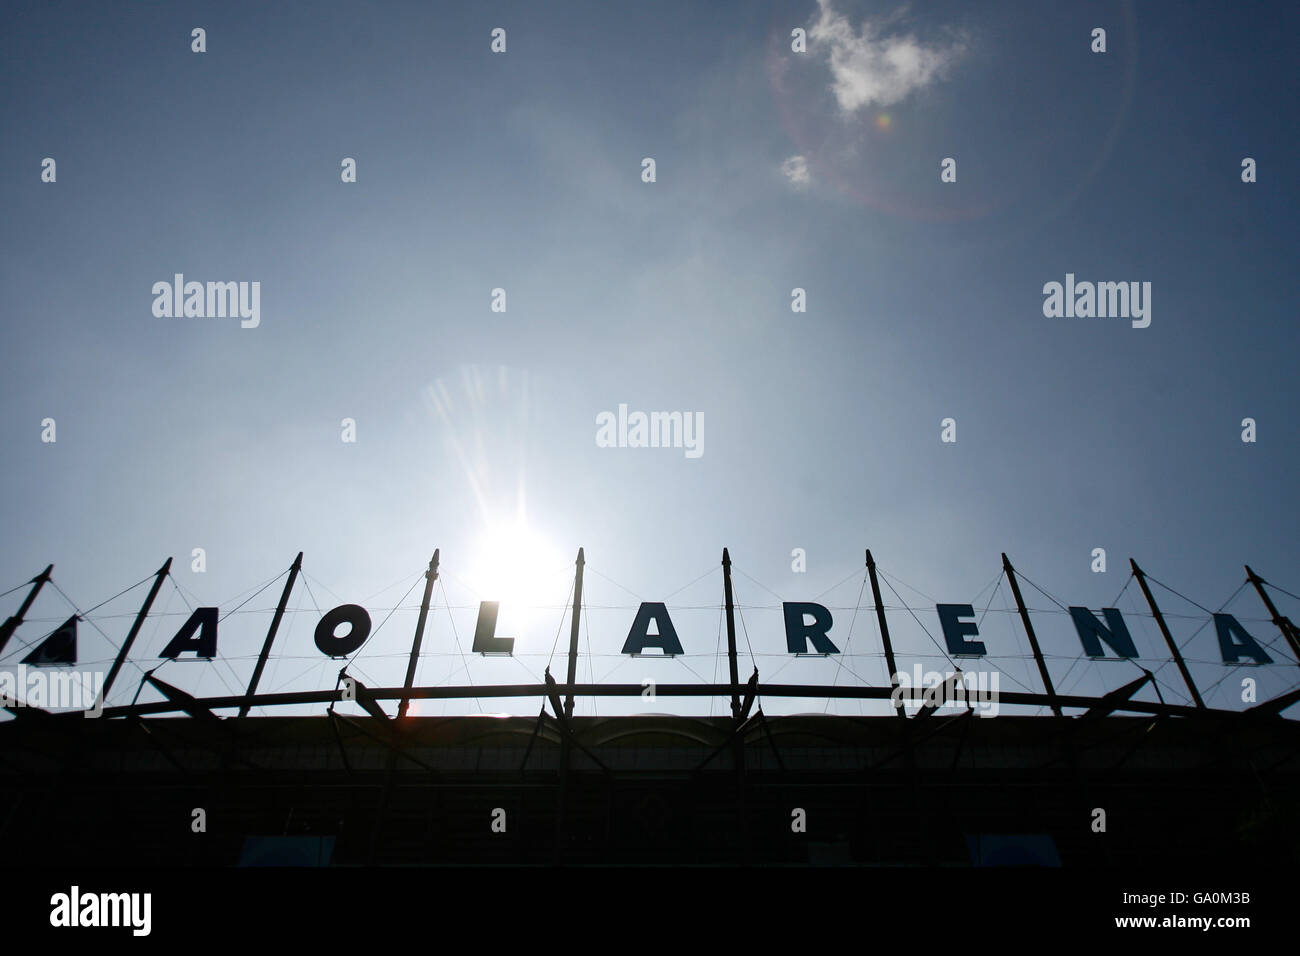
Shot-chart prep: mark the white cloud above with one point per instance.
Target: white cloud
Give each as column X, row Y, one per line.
column 871, row 69
column 795, row 169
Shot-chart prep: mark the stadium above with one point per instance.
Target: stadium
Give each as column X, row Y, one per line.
column 1070, row 780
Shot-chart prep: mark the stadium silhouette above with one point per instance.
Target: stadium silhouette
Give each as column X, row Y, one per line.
column 1181, row 783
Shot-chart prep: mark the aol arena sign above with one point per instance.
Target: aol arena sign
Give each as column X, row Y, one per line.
column 342, row 630
column 807, row 631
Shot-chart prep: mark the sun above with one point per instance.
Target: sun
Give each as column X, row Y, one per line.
column 520, row 568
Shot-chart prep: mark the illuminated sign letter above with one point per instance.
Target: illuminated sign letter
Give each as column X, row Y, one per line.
column 485, row 639
column 955, row 630
column 1114, row 632
column 59, row 648
column 798, row 632
column 204, row 644
column 335, row 646
column 1228, row 626
column 639, row 637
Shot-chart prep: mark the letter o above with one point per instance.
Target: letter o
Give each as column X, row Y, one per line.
column 333, row 646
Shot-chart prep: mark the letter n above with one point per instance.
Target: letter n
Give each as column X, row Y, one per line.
column 1092, row 632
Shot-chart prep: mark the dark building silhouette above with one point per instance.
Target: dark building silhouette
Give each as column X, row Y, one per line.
column 941, row 789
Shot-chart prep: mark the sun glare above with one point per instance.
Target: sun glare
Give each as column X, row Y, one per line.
column 521, row 569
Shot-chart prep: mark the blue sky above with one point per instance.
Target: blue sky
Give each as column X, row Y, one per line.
column 522, row 171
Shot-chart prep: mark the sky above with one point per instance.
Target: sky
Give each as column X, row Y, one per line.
column 476, row 429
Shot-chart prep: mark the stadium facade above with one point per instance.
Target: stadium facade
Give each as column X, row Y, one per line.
column 1116, row 781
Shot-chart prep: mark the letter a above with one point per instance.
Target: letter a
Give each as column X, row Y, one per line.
column 639, row 636
column 1052, row 307
column 203, row 643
